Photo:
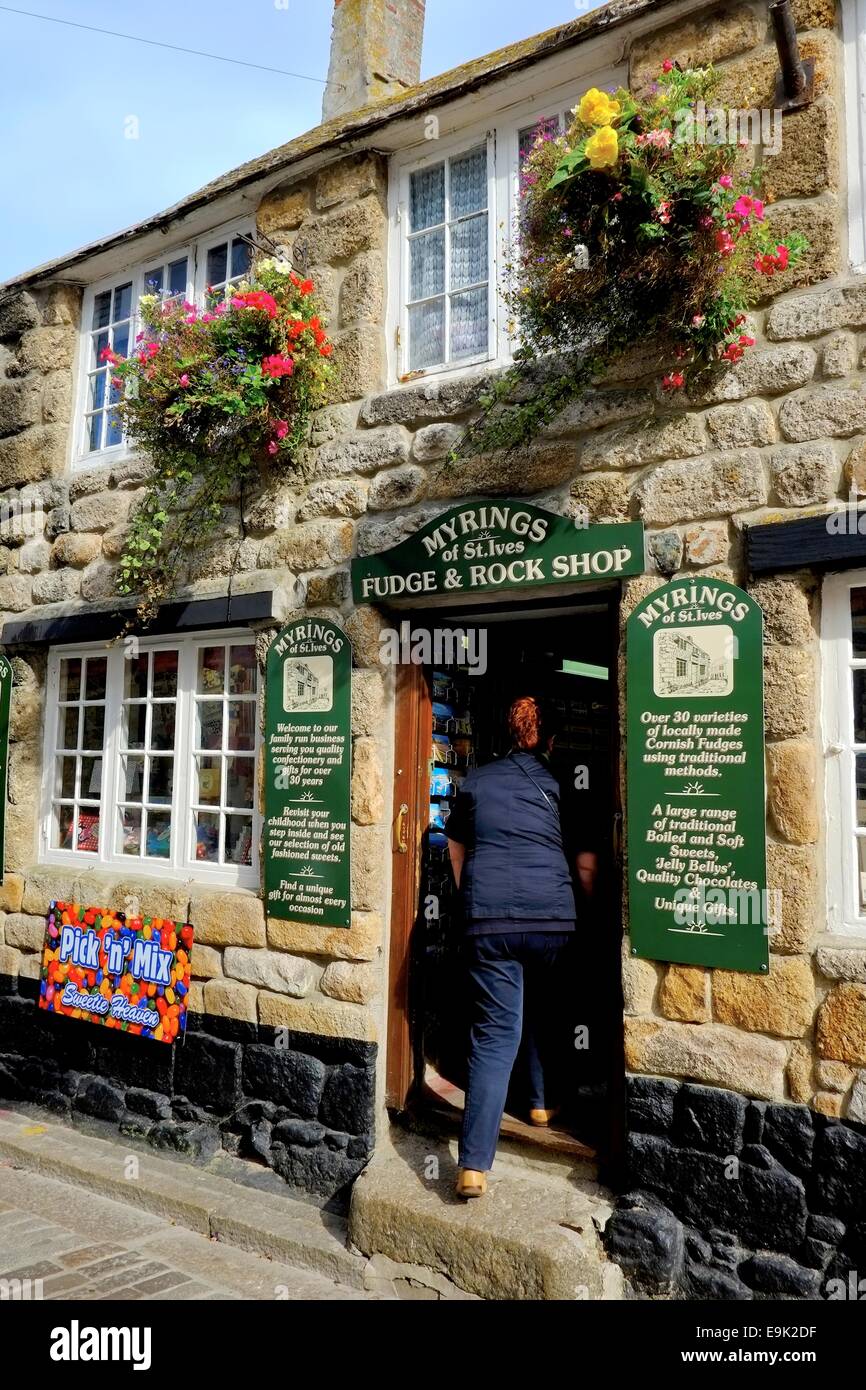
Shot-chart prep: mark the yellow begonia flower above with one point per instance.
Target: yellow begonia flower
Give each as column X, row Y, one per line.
column 597, row 108
column 602, row 148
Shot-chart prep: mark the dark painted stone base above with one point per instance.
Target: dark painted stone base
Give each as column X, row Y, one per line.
column 730, row 1198
column 301, row 1105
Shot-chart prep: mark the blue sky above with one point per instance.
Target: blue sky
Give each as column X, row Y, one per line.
column 69, row 172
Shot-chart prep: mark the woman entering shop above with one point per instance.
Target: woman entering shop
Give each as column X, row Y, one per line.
column 512, row 852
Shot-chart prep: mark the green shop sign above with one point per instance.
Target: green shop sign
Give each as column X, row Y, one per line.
column 5, row 702
column 697, row 871
column 308, row 757
column 484, row 547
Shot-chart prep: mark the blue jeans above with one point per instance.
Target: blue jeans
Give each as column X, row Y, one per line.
column 502, row 970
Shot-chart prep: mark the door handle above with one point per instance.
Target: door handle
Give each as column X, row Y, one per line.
column 400, row 843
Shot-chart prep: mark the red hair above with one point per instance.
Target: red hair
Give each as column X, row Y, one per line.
column 526, row 723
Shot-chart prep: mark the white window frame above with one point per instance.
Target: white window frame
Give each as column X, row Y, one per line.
column 854, row 48
column 844, row 914
column 502, row 134
column 182, row 864
column 196, row 254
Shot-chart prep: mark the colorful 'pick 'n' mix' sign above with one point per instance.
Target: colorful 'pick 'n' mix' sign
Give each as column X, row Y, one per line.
column 127, row 973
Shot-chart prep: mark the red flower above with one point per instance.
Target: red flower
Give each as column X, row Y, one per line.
column 667, row 65
column 277, row 366
column 733, row 352
column 107, row 355
column 674, row 381
column 306, row 287
column 326, row 349
column 282, row 429
column 257, row 299
column 745, row 341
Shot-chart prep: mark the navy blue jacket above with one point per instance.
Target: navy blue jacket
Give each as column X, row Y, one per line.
column 507, row 814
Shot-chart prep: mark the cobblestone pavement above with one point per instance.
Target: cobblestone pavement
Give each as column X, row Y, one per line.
column 73, row 1244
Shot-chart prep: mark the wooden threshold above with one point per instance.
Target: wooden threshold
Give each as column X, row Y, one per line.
column 439, row 1099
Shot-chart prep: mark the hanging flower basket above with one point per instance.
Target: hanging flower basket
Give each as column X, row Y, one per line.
column 215, row 398
column 631, row 232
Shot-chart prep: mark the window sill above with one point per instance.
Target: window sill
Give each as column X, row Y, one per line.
column 161, row 894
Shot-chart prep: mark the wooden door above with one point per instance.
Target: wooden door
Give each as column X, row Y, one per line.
column 410, row 810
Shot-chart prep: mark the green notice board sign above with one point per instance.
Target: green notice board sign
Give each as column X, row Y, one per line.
column 5, row 703
column 697, row 871
column 485, row 547
column 308, row 764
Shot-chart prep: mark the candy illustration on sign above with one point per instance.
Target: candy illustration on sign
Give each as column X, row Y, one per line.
column 128, row 973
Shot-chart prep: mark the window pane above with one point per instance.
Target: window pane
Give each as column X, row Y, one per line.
column 207, row 836
column 94, row 727
column 94, row 688
column 859, row 706
column 64, row 781
column 217, row 261
column 133, row 779
column 122, row 302
column 242, row 726
column 861, row 858
column 161, row 784
column 130, row 831
column 861, row 788
column 135, row 725
column 240, row 779
column 858, row 621
column 96, row 390
column 177, row 277
column 158, row 835
column 162, row 725
column 153, row 280
column 63, row 823
column 69, row 730
column 469, row 182
column 88, row 830
column 241, row 255
column 91, row 778
column 426, row 335
column 165, row 675
column 120, row 344
column 135, row 677
column 70, row 678
column 102, row 310
column 209, row 724
column 469, row 323
column 427, row 265
column 239, row 840
column 209, row 773
column 113, row 430
column 427, row 197
column 242, row 670
column 94, row 432
column 469, row 252
column 211, row 670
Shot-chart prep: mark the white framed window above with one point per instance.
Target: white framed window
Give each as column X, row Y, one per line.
column 854, row 42
column 110, row 320
column 452, row 235
column 843, row 638
column 150, row 757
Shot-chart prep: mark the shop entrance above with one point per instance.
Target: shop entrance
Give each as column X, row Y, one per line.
column 449, row 719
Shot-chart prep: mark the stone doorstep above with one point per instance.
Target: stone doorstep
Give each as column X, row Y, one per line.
column 264, row 1223
column 534, row 1236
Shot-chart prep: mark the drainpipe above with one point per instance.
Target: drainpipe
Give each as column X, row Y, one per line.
column 795, row 80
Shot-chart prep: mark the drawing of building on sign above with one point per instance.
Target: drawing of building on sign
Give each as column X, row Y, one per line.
column 693, row 661
column 308, row 684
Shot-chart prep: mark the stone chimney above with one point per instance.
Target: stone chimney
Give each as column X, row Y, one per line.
column 375, row 52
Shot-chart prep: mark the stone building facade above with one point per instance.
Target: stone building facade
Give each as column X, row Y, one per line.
column 770, row 1069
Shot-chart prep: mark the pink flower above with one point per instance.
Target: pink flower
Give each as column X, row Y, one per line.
column 705, row 221
column 273, row 447
column 107, row 355
column 277, row 366
column 258, row 299
column 733, row 352
column 184, row 380
column 664, row 211
column 667, row 65
column 698, row 321
column 745, row 208
column 660, row 139
column 726, row 181
column 745, row 341
column 191, row 318
column 282, row 429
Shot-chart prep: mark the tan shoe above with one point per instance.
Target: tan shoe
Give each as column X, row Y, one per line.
column 543, row 1117
column 470, row 1183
